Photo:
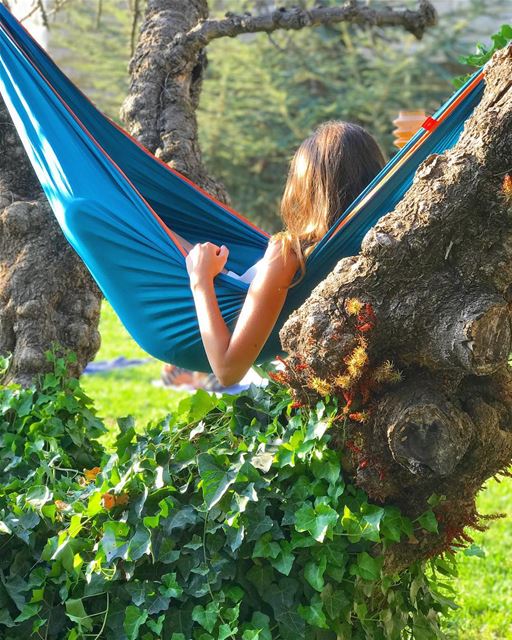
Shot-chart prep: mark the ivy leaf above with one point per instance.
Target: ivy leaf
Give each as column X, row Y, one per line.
column 371, row 519
column 75, row 525
column 157, row 603
column 137, row 591
column 38, row 496
column 94, row 505
column 225, row 631
column 314, row 614
column 291, row 625
column 216, row 480
column 134, row 618
column 262, row 461
column 428, row 521
column 170, row 586
column 156, row 626
column 474, row 550
column 284, row 561
column 316, row 520
column 206, row 617
column 280, row 596
column 261, row 575
column 266, row 548
column 351, row 523
column 327, row 469
column 76, row 612
column 367, row 566
column 336, row 602
column 261, row 623
column 259, row 525
column 139, row 545
column 314, row 572
column 200, row 404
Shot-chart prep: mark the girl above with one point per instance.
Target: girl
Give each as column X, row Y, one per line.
column 328, row 171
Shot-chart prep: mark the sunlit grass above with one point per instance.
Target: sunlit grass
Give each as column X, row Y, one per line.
column 127, row 391
column 484, row 585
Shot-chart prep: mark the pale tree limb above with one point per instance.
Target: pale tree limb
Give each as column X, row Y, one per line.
column 186, row 45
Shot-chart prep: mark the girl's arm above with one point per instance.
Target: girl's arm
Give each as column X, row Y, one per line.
column 231, row 355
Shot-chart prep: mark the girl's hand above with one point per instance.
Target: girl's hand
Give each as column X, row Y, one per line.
column 205, row 261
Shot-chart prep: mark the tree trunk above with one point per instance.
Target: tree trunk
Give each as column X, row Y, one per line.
column 436, row 274
column 160, row 109
column 46, row 292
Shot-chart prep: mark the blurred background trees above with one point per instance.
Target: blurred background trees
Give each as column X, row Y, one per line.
column 259, row 102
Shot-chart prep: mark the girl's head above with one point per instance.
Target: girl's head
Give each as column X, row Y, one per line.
column 327, row 172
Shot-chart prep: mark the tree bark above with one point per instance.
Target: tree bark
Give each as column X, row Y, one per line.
column 46, row 292
column 160, row 110
column 437, row 272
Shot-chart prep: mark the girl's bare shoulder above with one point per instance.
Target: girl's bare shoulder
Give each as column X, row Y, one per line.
column 280, row 259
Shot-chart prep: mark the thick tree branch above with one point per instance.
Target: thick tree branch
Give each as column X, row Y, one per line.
column 186, row 45
column 438, row 273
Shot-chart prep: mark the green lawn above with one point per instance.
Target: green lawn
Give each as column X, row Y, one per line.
column 126, row 391
column 484, row 586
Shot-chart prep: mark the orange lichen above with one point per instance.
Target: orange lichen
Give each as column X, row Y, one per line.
column 359, row 416
column 353, row 306
column 387, row 373
column 319, row 385
column 507, row 186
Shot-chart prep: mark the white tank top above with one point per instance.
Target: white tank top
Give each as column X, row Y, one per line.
column 247, row 276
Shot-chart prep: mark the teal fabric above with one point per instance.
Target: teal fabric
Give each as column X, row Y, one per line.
column 118, row 205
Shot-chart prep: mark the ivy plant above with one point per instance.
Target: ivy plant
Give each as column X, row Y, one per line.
column 230, row 518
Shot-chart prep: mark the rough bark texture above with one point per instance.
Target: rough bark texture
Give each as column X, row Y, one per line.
column 160, row 110
column 437, row 272
column 46, row 292
column 187, row 43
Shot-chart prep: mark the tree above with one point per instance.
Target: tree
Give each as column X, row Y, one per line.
column 166, row 78
column 446, row 427
column 437, row 274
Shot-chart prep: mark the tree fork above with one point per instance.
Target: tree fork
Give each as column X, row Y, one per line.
column 437, row 272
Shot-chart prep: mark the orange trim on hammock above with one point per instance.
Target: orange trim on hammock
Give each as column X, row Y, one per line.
column 431, row 124
column 152, row 155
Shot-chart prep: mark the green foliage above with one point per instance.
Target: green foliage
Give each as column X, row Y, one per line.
column 94, row 50
column 230, row 518
column 263, row 95
column 484, row 53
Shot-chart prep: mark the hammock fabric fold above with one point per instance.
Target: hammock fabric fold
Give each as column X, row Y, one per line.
column 120, row 207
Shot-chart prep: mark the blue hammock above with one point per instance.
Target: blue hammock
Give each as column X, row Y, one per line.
column 120, row 207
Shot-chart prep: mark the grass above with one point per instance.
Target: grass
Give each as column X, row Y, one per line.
column 484, row 586
column 127, row 391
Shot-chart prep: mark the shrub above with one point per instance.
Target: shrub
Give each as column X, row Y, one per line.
column 229, row 519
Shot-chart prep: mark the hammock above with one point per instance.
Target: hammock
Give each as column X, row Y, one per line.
column 120, row 207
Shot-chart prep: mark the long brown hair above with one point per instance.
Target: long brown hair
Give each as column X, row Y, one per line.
column 327, row 172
